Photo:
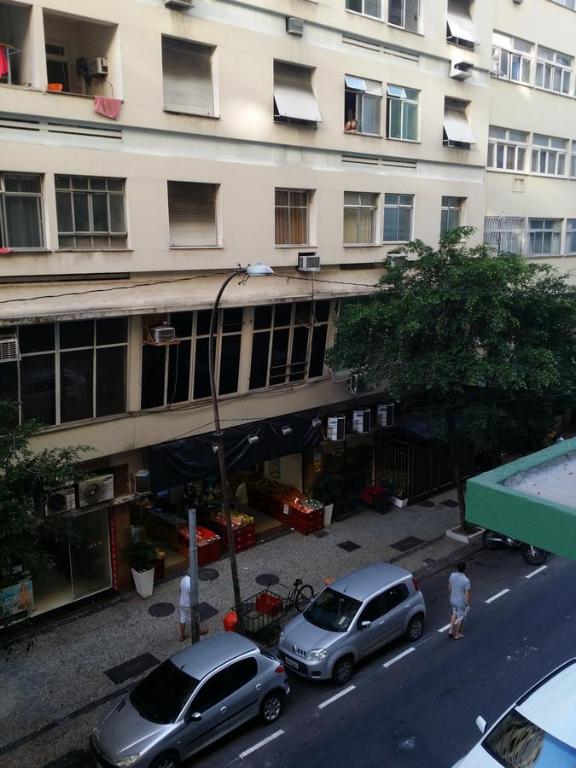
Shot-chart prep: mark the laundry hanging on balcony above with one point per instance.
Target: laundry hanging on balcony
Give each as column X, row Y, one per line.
column 107, row 107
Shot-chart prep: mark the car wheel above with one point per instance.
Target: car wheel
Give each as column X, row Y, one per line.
column 342, row 671
column 272, row 707
column 166, row 760
column 415, row 628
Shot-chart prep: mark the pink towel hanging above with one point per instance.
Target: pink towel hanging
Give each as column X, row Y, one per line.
column 4, row 63
column 107, row 107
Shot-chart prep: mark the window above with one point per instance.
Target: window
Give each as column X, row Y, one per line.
column 366, row 7
column 161, row 695
column 573, row 160
column 567, row 4
column 294, row 100
column 394, row 596
column 457, row 131
column 289, row 342
column 511, row 58
column 69, row 371
column 459, row 24
column 402, row 113
column 179, row 373
column 549, row 155
column 398, row 218
column 21, row 211
column 505, row 234
column 507, row 149
column 553, row 70
column 212, row 692
column 187, row 77
column 374, row 610
column 292, row 208
column 359, row 217
column 404, row 13
column 451, row 214
column 57, row 64
column 192, row 214
column 362, row 100
column 517, row 741
column 544, row 236
column 15, row 45
column 241, row 672
column 571, row 236
column 90, row 212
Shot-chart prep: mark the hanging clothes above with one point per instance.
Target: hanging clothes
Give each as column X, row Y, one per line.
column 107, row 107
column 4, row 63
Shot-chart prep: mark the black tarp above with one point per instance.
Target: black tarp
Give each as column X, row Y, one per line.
column 180, row 461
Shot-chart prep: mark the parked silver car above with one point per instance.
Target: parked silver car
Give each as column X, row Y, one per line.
column 350, row 619
column 189, row 701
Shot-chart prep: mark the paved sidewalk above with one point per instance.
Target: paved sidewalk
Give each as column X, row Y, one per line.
column 61, row 670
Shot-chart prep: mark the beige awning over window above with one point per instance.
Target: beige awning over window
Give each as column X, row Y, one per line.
column 293, row 93
column 457, row 127
column 460, row 25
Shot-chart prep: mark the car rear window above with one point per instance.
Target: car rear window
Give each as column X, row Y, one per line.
column 161, row 696
column 517, row 743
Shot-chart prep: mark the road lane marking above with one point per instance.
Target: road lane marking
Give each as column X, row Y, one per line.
column 444, row 628
column 397, row 658
column 538, row 570
column 247, row 752
column 496, row 596
column 337, row 696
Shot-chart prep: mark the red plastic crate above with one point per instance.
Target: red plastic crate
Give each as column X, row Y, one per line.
column 306, row 522
column 208, row 552
column 244, row 537
column 268, row 603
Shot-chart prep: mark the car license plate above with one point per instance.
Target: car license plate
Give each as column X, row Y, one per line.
column 291, row 663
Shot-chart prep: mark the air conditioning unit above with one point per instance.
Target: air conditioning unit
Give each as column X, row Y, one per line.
column 361, row 421
column 98, row 67
column 294, row 26
column 9, row 351
column 308, row 262
column 385, row 414
column 179, row 5
column 336, row 428
column 162, row 334
column 141, row 482
column 60, row 500
column 95, row 490
column 461, row 70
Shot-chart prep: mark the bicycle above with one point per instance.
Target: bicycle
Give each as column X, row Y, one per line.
column 299, row 597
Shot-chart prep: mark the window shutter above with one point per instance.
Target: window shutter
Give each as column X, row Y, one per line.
column 293, row 93
column 187, row 73
column 192, row 214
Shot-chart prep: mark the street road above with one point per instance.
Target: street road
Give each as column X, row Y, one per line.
column 411, row 706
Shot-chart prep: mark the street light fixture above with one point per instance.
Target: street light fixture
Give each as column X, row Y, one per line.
column 252, row 270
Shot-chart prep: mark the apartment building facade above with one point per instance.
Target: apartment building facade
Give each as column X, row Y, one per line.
column 150, row 147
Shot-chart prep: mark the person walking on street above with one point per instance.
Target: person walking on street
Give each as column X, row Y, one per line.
column 460, row 594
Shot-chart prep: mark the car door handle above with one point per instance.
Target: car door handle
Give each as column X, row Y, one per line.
column 222, row 709
column 259, row 686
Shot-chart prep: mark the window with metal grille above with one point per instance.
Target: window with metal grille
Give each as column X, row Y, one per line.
column 398, row 210
column 451, row 214
column 288, row 343
column 192, row 214
column 402, row 113
column 90, row 212
column 511, row 58
column 187, row 77
column 553, row 70
column 362, row 105
column 549, row 155
column 505, row 234
column 507, row 149
column 21, row 225
column 360, row 217
column 292, row 213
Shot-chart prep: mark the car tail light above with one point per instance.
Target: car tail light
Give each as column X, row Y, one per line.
column 416, row 584
column 280, row 669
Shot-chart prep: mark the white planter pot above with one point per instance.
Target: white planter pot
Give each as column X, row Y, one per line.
column 398, row 502
column 328, row 509
column 144, row 582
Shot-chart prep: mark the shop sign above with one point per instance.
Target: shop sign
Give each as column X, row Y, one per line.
column 16, row 598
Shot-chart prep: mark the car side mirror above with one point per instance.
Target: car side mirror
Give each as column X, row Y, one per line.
column 193, row 717
column 365, row 624
column 481, row 724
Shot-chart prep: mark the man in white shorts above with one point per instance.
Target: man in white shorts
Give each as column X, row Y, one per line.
column 460, row 595
column 185, row 610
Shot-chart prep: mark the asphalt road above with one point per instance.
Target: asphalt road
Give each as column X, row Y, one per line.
column 410, row 706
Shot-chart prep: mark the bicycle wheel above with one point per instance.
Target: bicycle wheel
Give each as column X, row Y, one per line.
column 304, row 597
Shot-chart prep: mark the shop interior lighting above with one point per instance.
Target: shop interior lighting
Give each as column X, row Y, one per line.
column 316, row 423
column 253, row 439
column 286, row 431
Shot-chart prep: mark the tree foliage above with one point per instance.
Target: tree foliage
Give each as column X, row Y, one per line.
column 25, row 479
column 480, row 339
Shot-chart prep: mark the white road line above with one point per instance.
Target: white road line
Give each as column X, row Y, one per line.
column 496, row 596
column 538, row 570
column 337, row 696
column 444, row 628
column 397, row 658
column 247, row 752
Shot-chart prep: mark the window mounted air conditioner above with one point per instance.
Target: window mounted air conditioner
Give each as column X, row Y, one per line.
column 179, row 5
column 98, row 67
column 461, row 70
column 60, row 500
column 9, row 351
column 361, row 421
column 336, row 428
column 162, row 334
column 385, row 414
column 308, row 262
column 294, row 26
column 95, row 490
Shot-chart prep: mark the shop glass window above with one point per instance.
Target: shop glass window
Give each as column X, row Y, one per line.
column 544, row 237
column 288, row 343
column 362, row 105
column 360, row 217
column 451, row 214
column 507, row 149
column 21, row 226
column 553, row 70
column 402, row 113
column 91, row 212
column 398, row 210
column 366, row 7
column 511, row 58
column 404, row 13
column 570, row 236
column 292, row 213
column 505, row 234
column 549, row 155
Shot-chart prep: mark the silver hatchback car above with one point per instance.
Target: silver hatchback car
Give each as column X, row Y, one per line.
column 189, row 701
column 350, row 619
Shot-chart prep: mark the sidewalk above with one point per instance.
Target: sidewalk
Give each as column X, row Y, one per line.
column 62, row 669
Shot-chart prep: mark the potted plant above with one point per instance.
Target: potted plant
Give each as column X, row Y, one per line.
column 142, row 556
column 397, row 484
column 327, row 490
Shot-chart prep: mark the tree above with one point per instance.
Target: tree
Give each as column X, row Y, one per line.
column 467, row 334
column 25, row 479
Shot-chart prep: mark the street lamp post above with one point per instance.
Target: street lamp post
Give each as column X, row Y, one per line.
column 257, row 270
